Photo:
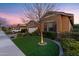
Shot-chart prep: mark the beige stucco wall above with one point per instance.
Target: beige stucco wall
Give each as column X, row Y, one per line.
column 65, row 23
column 70, row 27
column 31, row 30
column 49, row 19
column 59, row 23
column 62, row 22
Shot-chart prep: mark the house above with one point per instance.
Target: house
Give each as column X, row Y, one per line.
column 19, row 28
column 23, row 28
column 57, row 22
column 15, row 28
column 32, row 26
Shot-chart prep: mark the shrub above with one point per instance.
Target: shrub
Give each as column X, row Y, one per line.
column 19, row 35
column 70, row 46
column 22, row 34
column 74, row 35
column 34, row 33
column 27, row 34
column 3, row 28
column 23, row 30
column 76, row 28
column 7, row 30
column 50, row 35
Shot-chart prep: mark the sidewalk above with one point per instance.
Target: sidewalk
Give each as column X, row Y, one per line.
column 7, row 47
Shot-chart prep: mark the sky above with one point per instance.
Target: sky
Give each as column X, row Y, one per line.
column 72, row 8
column 13, row 12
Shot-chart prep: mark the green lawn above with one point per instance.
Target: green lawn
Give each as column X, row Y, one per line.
column 29, row 45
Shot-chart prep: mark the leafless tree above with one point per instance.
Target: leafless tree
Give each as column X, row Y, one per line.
column 36, row 11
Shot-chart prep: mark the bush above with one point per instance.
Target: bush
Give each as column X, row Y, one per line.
column 4, row 29
column 22, row 34
column 19, row 35
column 34, row 33
column 27, row 34
column 23, row 30
column 50, row 35
column 74, row 35
column 7, row 30
column 70, row 46
column 76, row 28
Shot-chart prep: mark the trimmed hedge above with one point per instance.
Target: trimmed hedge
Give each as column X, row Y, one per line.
column 74, row 35
column 76, row 28
column 7, row 30
column 23, row 30
column 50, row 35
column 26, row 33
column 34, row 33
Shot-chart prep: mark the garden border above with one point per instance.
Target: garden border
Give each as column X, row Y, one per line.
column 61, row 53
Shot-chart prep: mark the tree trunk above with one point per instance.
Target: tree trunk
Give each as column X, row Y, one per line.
column 41, row 31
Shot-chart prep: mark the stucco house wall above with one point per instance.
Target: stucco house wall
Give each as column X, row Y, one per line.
column 32, row 26
column 62, row 20
column 31, row 30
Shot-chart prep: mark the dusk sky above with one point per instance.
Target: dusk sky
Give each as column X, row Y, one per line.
column 13, row 12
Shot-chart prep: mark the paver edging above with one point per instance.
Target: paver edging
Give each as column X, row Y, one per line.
column 61, row 53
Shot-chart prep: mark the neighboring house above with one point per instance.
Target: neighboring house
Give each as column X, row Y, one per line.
column 23, row 26
column 19, row 28
column 32, row 26
column 58, row 22
column 15, row 29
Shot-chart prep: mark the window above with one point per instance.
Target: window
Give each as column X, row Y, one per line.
column 51, row 26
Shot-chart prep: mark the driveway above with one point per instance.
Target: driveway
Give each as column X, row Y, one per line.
column 7, row 47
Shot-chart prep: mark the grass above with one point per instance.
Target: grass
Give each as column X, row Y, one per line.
column 29, row 46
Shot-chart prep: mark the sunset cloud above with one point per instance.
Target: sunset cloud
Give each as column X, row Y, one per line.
column 75, row 13
column 13, row 12
column 11, row 19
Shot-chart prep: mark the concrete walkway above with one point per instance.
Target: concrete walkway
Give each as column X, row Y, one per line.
column 7, row 47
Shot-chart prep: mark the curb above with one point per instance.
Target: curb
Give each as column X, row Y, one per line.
column 61, row 53
column 60, row 48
